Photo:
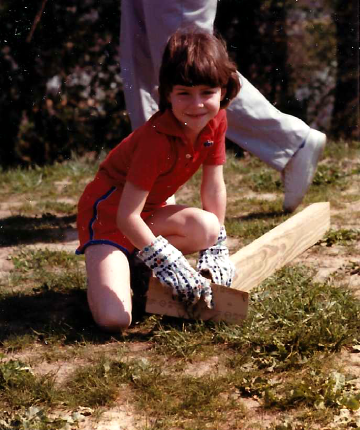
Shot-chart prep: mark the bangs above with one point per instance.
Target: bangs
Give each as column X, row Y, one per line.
column 199, row 63
column 198, row 73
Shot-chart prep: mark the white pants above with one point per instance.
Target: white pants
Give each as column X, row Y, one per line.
column 253, row 123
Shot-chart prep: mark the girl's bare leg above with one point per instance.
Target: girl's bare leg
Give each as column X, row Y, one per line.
column 108, row 272
column 188, row 229
column 109, row 295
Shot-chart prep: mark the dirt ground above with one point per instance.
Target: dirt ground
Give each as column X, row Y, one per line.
column 327, row 261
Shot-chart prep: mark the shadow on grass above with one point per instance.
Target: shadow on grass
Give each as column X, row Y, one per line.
column 274, row 215
column 17, row 230
column 50, row 316
column 253, row 225
column 47, row 315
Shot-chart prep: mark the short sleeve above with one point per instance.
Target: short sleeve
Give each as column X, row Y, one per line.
column 148, row 161
column 217, row 154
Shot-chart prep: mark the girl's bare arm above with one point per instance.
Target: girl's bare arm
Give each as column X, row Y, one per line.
column 128, row 217
column 213, row 191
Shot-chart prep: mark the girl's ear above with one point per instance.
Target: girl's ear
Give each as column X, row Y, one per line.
column 223, row 93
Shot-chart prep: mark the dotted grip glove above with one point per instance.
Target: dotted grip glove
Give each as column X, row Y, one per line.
column 215, row 260
column 173, row 270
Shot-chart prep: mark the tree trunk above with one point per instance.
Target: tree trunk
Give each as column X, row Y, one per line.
column 345, row 119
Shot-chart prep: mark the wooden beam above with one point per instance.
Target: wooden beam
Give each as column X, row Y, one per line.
column 259, row 260
column 230, row 305
column 254, row 263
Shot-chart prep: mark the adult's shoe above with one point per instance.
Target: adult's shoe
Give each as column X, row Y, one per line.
column 300, row 170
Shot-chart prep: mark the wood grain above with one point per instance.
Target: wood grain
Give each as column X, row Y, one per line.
column 255, row 262
column 230, row 305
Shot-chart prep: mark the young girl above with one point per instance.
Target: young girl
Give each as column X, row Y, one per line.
column 124, row 208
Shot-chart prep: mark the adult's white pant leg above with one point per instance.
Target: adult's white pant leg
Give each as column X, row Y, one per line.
column 137, row 69
column 163, row 18
column 258, row 127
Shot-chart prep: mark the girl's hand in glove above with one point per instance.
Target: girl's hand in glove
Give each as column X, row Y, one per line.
column 172, row 269
column 215, row 260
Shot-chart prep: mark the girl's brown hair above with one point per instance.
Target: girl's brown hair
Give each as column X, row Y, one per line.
column 195, row 57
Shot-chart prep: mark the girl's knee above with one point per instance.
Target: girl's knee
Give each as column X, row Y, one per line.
column 113, row 323
column 208, row 229
column 116, row 324
column 110, row 312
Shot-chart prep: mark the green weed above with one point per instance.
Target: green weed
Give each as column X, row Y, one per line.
column 35, row 418
column 340, row 237
column 315, row 389
column 328, row 175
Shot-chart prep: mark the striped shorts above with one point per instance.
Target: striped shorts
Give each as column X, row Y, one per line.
column 96, row 219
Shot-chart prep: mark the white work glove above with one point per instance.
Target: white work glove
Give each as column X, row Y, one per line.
column 215, row 260
column 173, row 270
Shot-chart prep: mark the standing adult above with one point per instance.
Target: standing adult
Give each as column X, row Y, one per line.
column 282, row 141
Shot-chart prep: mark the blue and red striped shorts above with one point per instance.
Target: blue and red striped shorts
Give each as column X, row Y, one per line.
column 96, row 219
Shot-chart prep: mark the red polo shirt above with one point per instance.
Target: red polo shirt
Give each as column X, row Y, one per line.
column 159, row 158
column 156, row 157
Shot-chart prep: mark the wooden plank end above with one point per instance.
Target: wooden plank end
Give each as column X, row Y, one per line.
column 231, row 305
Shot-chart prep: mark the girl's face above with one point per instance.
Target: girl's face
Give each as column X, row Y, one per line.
column 195, row 106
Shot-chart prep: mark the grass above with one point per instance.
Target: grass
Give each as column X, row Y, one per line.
column 294, row 329
column 59, row 371
column 341, row 236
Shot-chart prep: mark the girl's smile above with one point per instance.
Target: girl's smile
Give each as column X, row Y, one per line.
column 195, row 106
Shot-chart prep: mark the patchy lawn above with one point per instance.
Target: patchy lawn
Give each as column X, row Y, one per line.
column 293, row 365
